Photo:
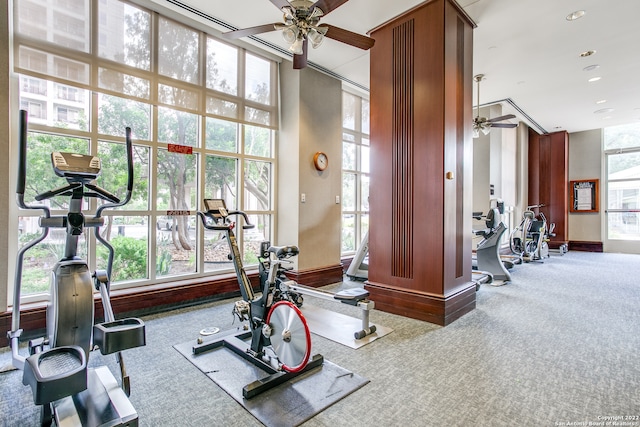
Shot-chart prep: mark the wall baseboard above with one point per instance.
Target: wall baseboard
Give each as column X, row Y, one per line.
column 586, row 246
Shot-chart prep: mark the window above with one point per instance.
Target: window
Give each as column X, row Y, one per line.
column 622, row 153
column 355, row 171
column 199, row 130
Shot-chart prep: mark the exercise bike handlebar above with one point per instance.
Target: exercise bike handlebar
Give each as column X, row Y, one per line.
column 215, row 226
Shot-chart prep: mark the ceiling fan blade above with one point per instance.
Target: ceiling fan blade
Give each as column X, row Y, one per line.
column 280, row 3
column 328, row 5
column 249, row 31
column 503, row 125
column 348, row 37
column 505, row 117
column 300, row 61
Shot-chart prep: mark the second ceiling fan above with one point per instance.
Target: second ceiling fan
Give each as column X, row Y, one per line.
column 301, row 25
column 483, row 124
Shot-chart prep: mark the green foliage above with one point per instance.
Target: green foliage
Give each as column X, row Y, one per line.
column 130, row 258
column 163, row 263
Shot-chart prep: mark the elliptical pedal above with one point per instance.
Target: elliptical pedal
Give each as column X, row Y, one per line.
column 56, row 373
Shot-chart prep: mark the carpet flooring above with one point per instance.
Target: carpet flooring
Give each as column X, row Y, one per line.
column 559, row 345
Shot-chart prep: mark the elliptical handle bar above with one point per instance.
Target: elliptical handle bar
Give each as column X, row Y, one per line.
column 22, row 166
column 108, row 196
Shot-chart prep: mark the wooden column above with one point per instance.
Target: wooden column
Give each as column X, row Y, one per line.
column 420, row 198
column 548, row 180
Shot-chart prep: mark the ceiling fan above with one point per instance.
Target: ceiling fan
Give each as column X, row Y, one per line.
column 483, row 124
column 301, row 25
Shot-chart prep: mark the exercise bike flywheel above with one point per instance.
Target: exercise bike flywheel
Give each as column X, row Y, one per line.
column 290, row 337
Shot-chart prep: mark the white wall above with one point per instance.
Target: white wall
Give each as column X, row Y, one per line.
column 585, row 162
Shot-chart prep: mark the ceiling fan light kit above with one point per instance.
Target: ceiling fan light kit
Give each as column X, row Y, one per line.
column 482, row 124
column 300, row 25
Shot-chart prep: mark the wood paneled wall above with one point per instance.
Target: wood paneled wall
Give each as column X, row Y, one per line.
column 548, row 180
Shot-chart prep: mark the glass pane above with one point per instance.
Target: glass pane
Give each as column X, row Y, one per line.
column 216, row 251
column 624, row 136
column 255, row 115
column 124, row 34
column 348, row 156
column 257, row 141
column 364, row 226
column 177, row 127
column 178, row 97
column 348, row 233
column 53, row 65
column 222, row 67
column 364, row 192
column 175, row 245
column 40, row 175
column 176, row 174
column 114, row 173
column 348, row 192
column 178, row 51
column 220, row 180
column 222, row 135
column 124, row 83
column 623, row 166
column 254, row 236
column 40, row 260
column 365, row 116
column 65, row 23
column 364, row 158
column 623, row 195
column 257, row 185
column 222, row 108
column 258, row 79
column 116, row 114
column 349, row 105
column 129, row 236
column 54, row 104
column 623, row 226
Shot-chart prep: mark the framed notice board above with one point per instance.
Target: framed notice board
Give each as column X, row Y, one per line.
column 584, row 196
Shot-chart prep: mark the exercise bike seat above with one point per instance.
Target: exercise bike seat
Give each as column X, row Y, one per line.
column 284, row 251
column 492, row 222
column 351, row 296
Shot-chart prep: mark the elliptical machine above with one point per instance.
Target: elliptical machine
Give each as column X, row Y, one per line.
column 56, row 369
column 280, row 341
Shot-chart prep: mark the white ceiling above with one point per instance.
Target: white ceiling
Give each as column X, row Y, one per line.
column 528, row 51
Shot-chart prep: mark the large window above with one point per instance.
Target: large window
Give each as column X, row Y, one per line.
column 355, row 171
column 622, row 153
column 203, row 115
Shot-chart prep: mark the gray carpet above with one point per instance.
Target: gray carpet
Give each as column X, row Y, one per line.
column 558, row 345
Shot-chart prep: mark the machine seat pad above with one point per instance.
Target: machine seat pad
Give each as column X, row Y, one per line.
column 352, row 296
column 284, row 251
column 56, row 373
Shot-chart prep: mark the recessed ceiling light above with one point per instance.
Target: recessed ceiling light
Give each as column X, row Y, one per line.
column 602, row 101
column 594, row 79
column 587, row 53
column 591, row 67
column 575, row 15
column 604, row 110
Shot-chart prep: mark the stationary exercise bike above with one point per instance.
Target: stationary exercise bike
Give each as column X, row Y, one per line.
column 56, row 369
column 279, row 338
column 530, row 239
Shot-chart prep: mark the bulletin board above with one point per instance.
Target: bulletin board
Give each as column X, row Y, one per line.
column 584, row 196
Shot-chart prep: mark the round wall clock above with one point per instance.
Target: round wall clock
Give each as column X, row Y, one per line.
column 320, row 161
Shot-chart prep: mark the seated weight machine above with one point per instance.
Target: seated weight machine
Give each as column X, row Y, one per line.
column 278, row 340
column 56, row 369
